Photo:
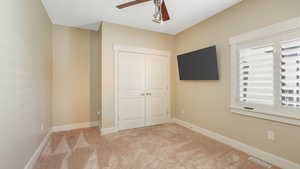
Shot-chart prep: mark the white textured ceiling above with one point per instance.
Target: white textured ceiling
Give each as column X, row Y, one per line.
column 88, row 14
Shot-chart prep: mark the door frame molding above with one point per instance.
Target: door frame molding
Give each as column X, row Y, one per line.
column 140, row 50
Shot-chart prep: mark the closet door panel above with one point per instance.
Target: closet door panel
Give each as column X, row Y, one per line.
column 157, row 89
column 131, row 90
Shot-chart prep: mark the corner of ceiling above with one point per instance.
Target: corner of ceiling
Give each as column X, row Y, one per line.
column 47, row 11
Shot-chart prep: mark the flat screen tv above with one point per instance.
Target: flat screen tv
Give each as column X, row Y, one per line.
column 199, row 65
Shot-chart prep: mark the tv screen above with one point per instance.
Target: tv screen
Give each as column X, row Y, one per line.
column 199, row 65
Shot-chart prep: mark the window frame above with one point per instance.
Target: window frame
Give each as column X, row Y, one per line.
column 275, row 34
column 289, row 35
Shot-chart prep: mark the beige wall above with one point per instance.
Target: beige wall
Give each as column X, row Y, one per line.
column 117, row 34
column 100, row 74
column 73, row 49
column 206, row 103
column 94, row 75
column 25, row 85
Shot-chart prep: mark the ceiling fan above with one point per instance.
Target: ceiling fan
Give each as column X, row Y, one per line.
column 161, row 12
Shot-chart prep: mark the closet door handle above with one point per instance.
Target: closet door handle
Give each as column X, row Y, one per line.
column 148, row 94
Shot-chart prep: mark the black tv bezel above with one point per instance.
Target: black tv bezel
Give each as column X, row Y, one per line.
column 215, row 77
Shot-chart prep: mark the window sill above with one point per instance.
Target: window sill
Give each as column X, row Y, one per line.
column 265, row 115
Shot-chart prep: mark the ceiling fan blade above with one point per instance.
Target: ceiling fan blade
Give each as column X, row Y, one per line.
column 128, row 4
column 164, row 12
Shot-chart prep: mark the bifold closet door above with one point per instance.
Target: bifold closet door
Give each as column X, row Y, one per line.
column 156, row 89
column 131, row 90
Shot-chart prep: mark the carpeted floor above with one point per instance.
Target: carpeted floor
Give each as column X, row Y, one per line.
column 167, row 146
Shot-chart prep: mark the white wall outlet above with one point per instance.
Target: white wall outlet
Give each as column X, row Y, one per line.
column 98, row 113
column 182, row 111
column 271, row 135
column 42, row 127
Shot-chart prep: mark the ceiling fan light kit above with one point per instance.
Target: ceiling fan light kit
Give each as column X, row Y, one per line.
column 160, row 14
column 157, row 17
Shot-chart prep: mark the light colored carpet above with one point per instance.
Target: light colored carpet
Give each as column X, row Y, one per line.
column 167, row 146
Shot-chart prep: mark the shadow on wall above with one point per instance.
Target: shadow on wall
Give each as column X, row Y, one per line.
column 95, row 92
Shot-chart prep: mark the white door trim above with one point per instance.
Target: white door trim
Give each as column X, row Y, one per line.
column 133, row 49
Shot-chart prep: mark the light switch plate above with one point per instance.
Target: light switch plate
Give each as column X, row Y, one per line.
column 42, row 127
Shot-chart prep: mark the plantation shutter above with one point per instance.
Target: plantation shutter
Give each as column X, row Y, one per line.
column 256, row 75
column 290, row 73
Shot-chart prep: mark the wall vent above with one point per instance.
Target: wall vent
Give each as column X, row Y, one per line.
column 260, row 162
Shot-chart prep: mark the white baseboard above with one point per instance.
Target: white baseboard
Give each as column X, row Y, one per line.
column 30, row 164
column 105, row 131
column 74, row 126
column 268, row 157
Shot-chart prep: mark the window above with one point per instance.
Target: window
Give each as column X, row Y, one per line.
column 256, row 74
column 265, row 79
column 290, row 73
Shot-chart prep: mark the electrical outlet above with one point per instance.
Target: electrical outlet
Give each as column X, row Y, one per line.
column 271, row 135
column 42, row 127
column 182, row 111
column 98, row 113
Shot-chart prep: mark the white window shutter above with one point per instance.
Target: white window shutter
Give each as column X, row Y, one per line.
column 256, row 67
column 290, row 73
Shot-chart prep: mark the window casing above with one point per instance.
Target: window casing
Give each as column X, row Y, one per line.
column 266, row 77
